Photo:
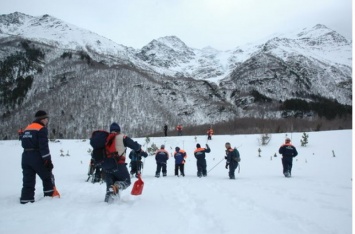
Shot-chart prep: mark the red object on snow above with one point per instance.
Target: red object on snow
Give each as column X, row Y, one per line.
column 138, row 186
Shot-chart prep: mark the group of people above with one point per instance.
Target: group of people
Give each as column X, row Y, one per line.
column 36, row 160
column 179, row 128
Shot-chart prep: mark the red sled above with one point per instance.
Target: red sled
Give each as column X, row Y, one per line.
column 138, row 186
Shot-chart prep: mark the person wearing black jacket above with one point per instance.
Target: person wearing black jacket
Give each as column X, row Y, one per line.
column 36, row 158
column 288, row 152
column 232, row 157
column 136, row 162
column 116, row 173
column 165, row 130
column 201, row 159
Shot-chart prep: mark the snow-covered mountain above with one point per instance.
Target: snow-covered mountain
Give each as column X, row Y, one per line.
column 79, row 72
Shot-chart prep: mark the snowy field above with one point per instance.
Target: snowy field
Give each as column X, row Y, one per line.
column 316, row 200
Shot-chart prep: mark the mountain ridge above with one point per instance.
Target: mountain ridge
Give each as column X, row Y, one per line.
column 181, row 84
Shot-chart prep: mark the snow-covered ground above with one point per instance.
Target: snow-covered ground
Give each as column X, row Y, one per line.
column 316, row 200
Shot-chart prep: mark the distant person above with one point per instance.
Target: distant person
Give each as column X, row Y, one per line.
column 232, row 157
column 161, row 157
column 201, row 159
column 180, row 156
column 179, row 129
column 20, row 134
column 209, row 134
column 36, row 159
column 288, row 152
column 165, row 130
column 136, row 162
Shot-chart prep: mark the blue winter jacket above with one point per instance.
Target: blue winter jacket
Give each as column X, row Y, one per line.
column 200, row 153
column 161, row 156
column 180, row 156
column 288, row 150
column 35, row 139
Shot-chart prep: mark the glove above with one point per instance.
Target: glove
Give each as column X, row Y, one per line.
column 144, row 154
column 48, row 164
column 227, row 164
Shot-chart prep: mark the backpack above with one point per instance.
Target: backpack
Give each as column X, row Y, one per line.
column 237, row 157
column 110, row 145
column 98, row 143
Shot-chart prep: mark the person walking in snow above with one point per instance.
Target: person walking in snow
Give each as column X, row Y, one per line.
column 165, row 130
column 20, row 134
column 116, row 173
column 36, row 158
column 209, row 133
column 136, row 162
column 232, row 157
column 288, row 152
column 161, row 157
column 179, row 129
column 180, row 156
column 201, row 159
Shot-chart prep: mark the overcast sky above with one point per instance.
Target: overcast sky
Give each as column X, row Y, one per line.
column 222, row 24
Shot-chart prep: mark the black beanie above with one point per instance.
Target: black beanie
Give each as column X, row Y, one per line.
column 115, row 127
column 41, row 115
column 198, row 146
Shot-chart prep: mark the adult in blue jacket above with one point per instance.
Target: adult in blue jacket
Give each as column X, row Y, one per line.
column 161, row 158
column 36, row 158
column 179, row 156
column 232, row 157
column 288, row 152
column 201, row 159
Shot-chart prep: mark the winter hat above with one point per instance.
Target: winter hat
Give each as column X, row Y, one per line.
column 177, row 149
column 41, row 115
column 162, row 146
column 198, row 145
column 115, row 127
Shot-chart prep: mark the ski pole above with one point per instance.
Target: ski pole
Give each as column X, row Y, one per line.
column 215, row 165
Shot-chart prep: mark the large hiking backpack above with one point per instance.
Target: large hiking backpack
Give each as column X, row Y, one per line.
column 98, row 143
column 237, row 156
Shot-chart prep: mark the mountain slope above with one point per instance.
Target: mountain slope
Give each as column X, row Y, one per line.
column 86, row 81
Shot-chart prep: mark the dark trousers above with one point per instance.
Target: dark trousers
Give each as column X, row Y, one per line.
column 119, row 175
column 136, row 166
column 232, row 166
column 287, row 164
column 201, row 167
column 32, row 165
column 161, row 167
column 181, row 168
